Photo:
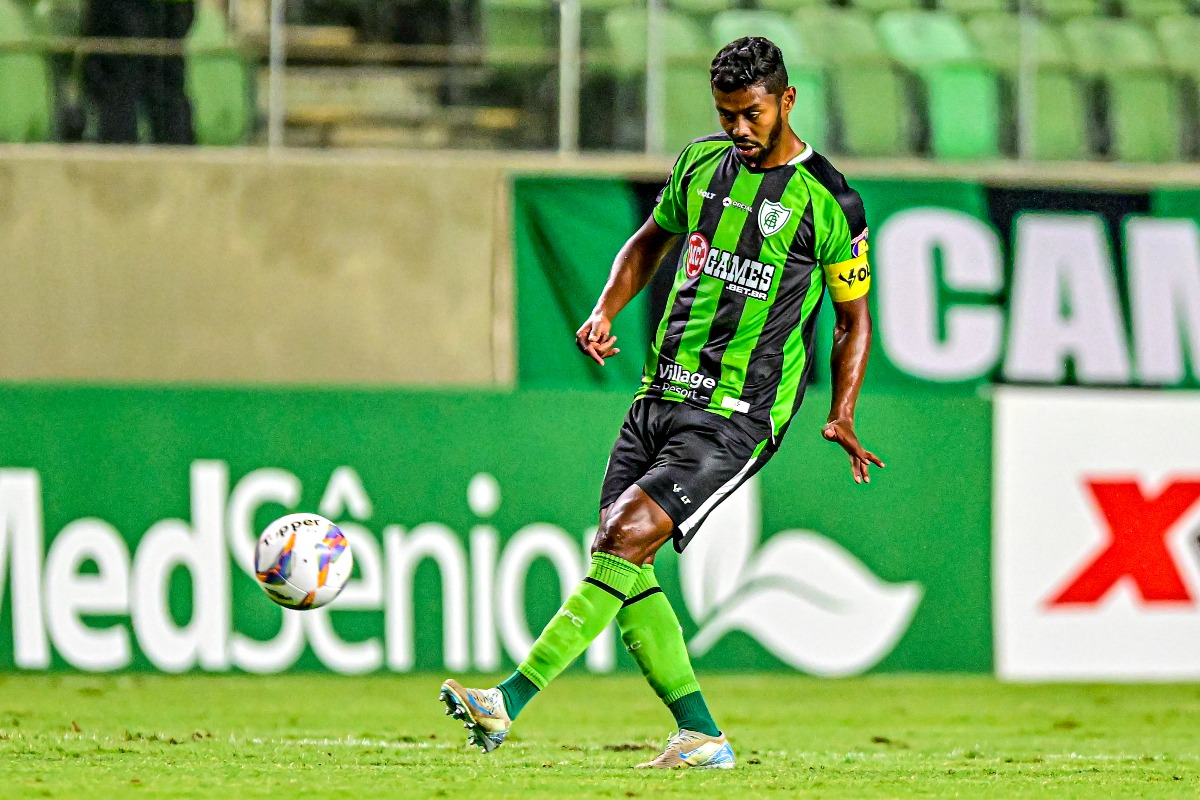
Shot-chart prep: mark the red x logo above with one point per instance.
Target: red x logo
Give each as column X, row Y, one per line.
column 1137, row 548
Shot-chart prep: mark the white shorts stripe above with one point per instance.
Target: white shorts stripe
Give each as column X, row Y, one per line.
column 697, row 516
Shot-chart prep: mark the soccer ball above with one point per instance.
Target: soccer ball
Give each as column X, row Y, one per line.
column 302, row 561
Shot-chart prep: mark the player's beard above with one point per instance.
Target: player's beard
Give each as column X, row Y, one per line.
column 768, row 147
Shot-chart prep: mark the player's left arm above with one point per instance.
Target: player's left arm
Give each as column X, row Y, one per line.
column 848, row 276
column 848, row 367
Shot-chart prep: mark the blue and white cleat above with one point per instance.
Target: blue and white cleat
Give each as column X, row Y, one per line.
column 481, row 711
column 692, row 749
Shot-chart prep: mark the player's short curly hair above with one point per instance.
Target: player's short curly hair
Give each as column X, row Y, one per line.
column 749, row 61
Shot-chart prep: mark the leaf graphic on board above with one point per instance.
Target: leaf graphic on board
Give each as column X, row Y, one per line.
column 804, row 597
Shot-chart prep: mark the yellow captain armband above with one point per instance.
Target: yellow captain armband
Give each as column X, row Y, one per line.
column 848, row 280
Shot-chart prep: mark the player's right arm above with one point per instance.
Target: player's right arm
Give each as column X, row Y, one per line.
column 634, row 266
column 631, row 271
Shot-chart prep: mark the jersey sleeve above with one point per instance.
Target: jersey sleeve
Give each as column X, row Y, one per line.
column 847, row 270
column 670, row 210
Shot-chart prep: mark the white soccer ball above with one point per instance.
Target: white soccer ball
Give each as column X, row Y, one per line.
column 302, row 561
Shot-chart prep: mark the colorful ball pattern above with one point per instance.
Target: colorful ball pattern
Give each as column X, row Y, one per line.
column 302, row 561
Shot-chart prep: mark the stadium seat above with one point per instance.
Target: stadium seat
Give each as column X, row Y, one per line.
column 517, row 33
column 732, row 25
column 689, row 111
column 869, row 111
column 59, row 17
column 1179, row 36
column 1143, row 104
column 218, row 82
column 970, row 8
column 1148, row 11
column 1060, row 126
column 1109, row 46
column 811, row 113
column 1059, row 10
column 998, row 35
column 922, row 39
column 700, row 10
column 836, row 35
column 25, row 86
column 963, row 94
column 789, row 6
column 880, row 6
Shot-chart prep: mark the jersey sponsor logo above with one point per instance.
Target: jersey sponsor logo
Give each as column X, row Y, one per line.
column 854, row 275
column 742, row 275
column 707, row 195
column 697, row 254
column 772, row 217
column 729, row 201
column 673, row 373
column 858, row 245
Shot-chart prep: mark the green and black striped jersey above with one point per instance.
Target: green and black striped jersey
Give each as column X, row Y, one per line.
column 762, row 245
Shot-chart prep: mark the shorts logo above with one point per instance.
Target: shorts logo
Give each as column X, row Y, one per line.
column 697, row 254
column 683, row 497
column 772, row 217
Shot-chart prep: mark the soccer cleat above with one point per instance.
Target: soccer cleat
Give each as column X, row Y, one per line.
column 691, row 749
column 481, row 711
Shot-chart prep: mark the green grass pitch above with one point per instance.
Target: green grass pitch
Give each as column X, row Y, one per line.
column 322, row 736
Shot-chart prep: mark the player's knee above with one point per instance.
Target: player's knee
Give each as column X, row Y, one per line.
column 626, row 537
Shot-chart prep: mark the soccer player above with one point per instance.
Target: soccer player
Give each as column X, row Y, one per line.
column 770, row 225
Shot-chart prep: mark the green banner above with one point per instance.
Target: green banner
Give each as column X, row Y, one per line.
column 566, row 232
column 128, row 517
column 973, row 284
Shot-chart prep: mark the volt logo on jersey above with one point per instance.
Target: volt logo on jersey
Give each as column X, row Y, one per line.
column 697, row 254
column 772, row 217
column 854, row 274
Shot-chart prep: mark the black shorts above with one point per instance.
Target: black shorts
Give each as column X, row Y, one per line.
column 688, row 460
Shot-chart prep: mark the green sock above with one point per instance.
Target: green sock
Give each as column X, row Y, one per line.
column 517, row 690
column 653, row 637
column 691, row 713
column 584, row 615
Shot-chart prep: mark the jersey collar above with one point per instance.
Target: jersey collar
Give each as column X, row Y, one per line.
column 805, row 154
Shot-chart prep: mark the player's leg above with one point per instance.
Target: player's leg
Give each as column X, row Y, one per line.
column 704, row 462
column 631, row 532
column 633, row 529
column 651, row 633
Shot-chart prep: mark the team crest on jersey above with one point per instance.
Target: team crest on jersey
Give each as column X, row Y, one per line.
column 772, row 217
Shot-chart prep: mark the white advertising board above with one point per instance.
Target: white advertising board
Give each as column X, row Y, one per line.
column 1096, row 569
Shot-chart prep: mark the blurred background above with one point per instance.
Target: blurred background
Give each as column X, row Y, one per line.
column 329, row 255
column 1072, row 80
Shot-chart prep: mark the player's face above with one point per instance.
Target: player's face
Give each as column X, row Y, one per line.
column 754, row 119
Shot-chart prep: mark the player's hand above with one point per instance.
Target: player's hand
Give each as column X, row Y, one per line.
column 842, row 432
column 594, row 338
